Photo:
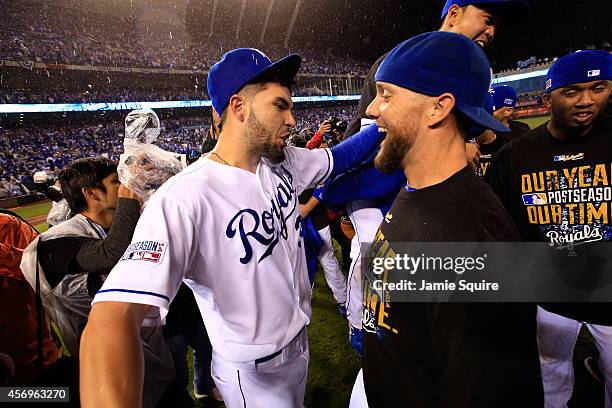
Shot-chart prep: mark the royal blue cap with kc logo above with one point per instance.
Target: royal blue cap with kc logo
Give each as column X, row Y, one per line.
column 579, row 67
column 510, row 11
column 440, row 62
column 503, row 95
column 241, row 66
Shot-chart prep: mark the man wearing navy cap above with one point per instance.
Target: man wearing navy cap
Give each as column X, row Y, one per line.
column 567, row 161
column 477, row 20
column 504, row 101
column 229, row 228
column 430, row 90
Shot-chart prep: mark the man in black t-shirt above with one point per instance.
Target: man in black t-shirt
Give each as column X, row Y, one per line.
column 441, row 354
column 555, row 182
column 475, row 19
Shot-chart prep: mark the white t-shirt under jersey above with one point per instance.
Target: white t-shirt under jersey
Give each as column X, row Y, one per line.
column 234, row 237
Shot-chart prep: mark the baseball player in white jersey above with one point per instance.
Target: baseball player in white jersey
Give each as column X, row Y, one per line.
column 229, row 227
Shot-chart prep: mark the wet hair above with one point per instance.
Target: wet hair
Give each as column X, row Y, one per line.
column 84, row 173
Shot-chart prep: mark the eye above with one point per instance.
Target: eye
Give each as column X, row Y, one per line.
column 570, row 94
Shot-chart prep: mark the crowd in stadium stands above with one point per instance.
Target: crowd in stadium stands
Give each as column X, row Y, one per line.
column 109, row 94
column 529, row 99
column 113, row 94
column 79, row 37
column 23, row 152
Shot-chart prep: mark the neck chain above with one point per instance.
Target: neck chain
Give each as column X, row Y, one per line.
column 221, row 159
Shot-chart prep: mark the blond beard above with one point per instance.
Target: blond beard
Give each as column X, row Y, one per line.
column 396, row 146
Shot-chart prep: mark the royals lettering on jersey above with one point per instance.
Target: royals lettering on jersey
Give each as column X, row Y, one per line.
column 269, row 226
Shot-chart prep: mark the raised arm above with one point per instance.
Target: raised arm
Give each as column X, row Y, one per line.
column 356, row 149
column 111, row 359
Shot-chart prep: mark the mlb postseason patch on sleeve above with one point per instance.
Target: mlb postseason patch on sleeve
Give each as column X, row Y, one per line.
column 149, row 251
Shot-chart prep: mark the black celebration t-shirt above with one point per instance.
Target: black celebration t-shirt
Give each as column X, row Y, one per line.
column 559, row 192
column 488, row 152
column 448, row 354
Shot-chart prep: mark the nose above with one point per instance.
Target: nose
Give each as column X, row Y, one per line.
column 490, row 33
column 290, row 120
column 586, row 99
column 373, row 110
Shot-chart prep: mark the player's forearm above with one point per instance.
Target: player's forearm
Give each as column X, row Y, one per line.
column 111, row 363
column 101, row 255
column 355, row 150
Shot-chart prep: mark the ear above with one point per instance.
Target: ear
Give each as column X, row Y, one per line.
column 453, row 15
column 441, row 108
column 546, row 100
column 237, row 106
column 91, row 194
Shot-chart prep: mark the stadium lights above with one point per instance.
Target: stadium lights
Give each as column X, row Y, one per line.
column 114, row 106
column 518, row 77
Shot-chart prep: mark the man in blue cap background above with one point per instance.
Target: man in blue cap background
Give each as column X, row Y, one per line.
column 504, row 101
column 569, row 160
column 430, row 90
column 229, row 227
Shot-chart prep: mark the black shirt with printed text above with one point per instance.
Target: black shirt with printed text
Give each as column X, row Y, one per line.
column 559, row 192
column 488, row 152
column 448, row 354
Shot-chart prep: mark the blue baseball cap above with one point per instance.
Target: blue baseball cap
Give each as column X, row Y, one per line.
column 510, row 11
column 241, row 66
column 503, row 95
column 579, row 67
column 439, row 62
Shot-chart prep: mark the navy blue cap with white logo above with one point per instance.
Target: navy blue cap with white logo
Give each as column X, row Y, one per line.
column 503, row 95
column 241, row 66
column 439, row 62
column 579, row 67
column 510, row 11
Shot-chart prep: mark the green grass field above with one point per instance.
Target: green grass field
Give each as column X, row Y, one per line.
column 535, row 122
column 333, row 363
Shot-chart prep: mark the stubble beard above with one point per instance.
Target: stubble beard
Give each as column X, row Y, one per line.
column 260, row 140
column 397, row 144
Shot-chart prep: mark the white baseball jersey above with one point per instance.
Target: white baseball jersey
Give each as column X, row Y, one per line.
column 234, row 237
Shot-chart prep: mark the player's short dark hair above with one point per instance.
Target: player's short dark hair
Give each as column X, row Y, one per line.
column 84, row 173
